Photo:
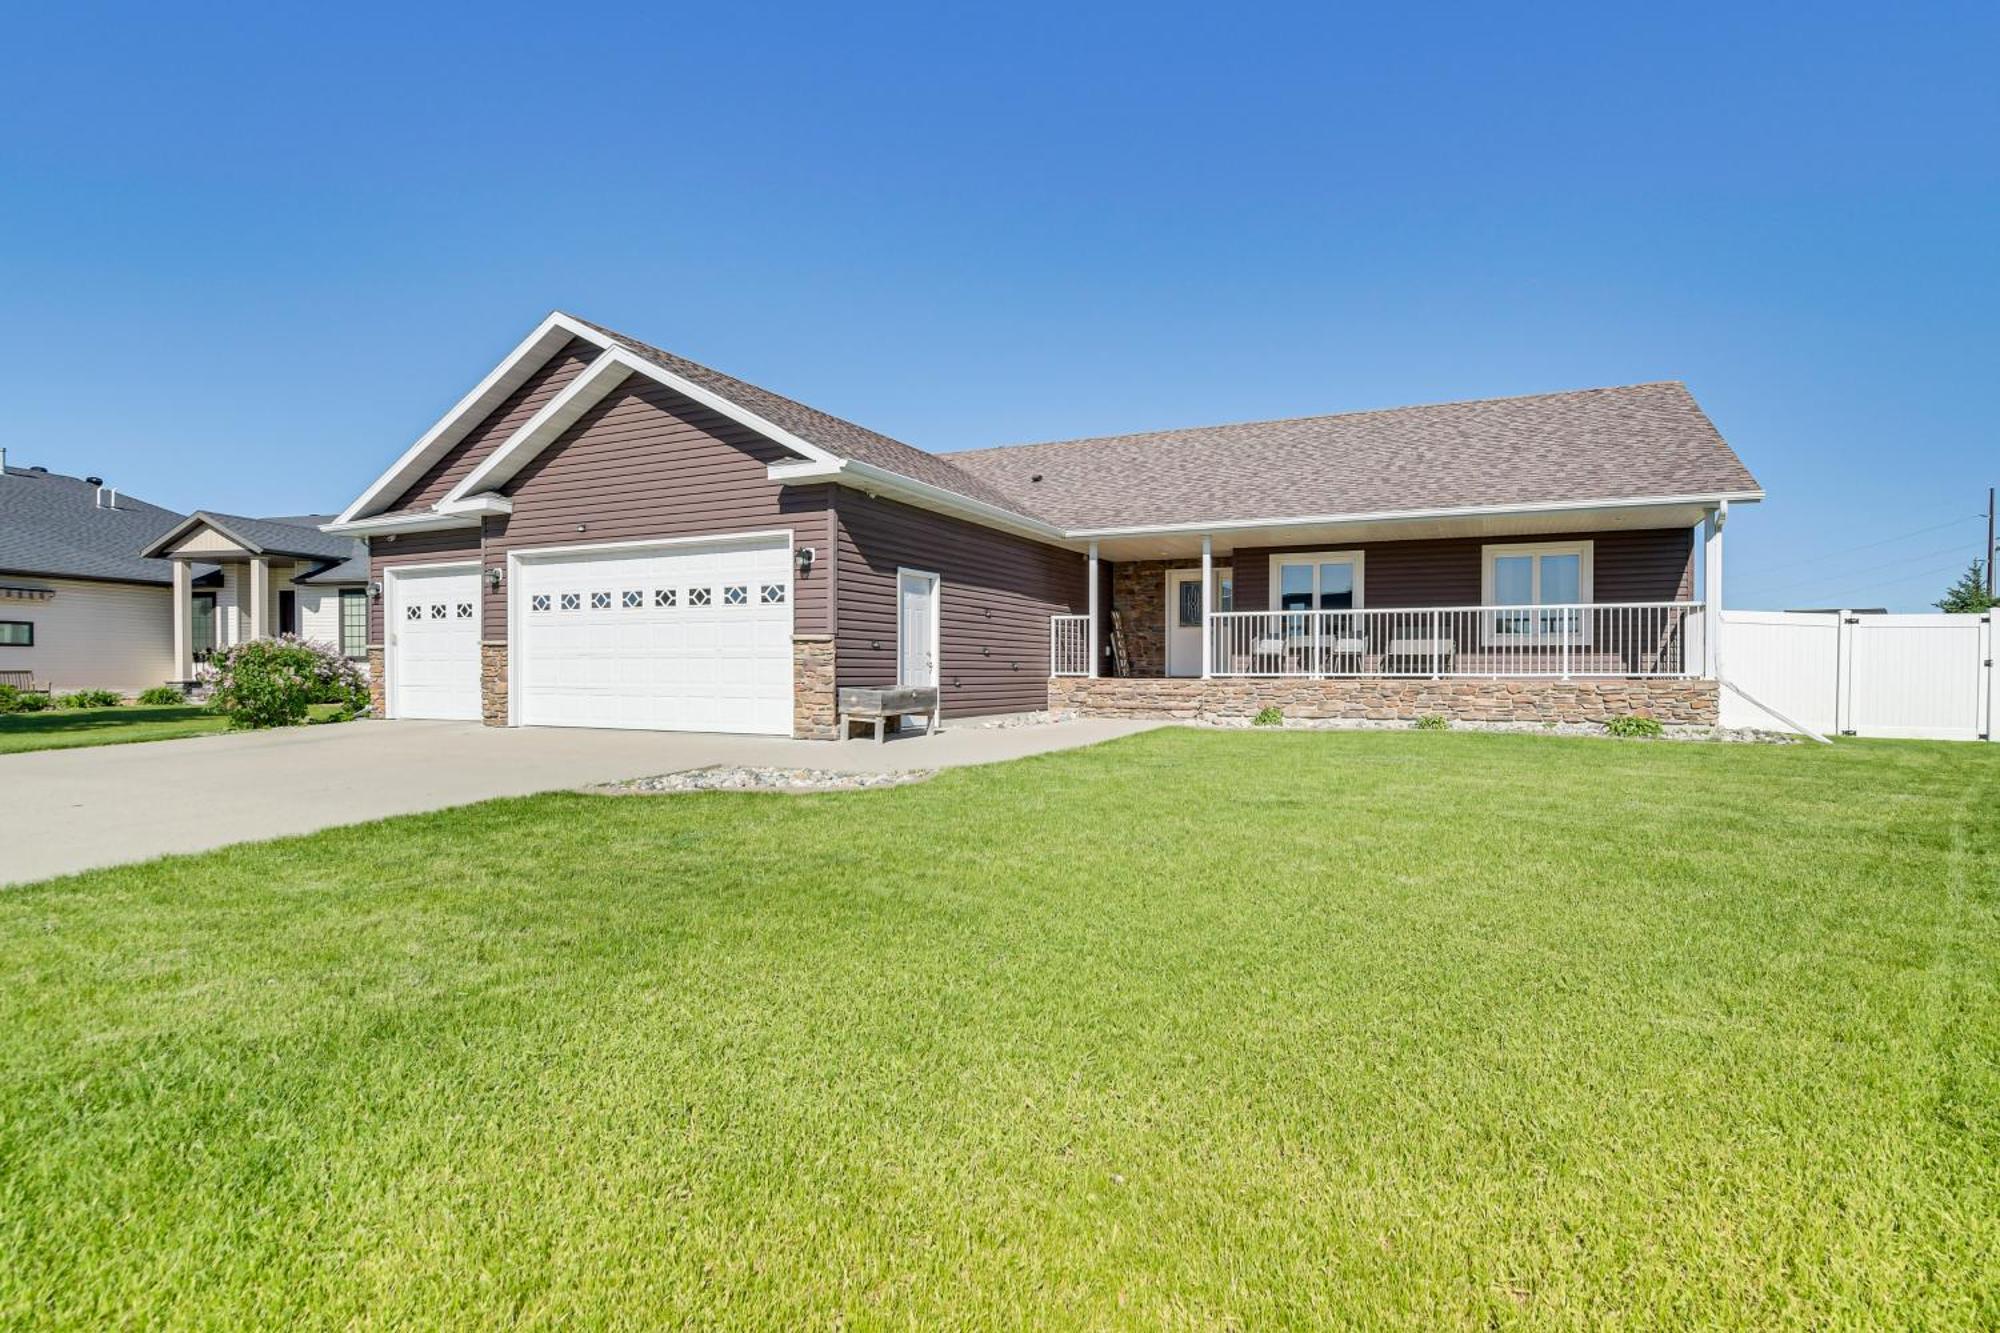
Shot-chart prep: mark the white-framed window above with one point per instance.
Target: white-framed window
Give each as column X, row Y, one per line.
column 1316, row 581
column 353, row 623
column 1536, row 575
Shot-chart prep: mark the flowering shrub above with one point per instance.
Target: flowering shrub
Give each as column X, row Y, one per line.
column 273, row 682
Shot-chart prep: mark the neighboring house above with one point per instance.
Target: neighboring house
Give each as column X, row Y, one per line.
column 602, row 533
column 88, row 577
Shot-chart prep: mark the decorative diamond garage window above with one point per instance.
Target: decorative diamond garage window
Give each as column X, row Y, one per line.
column 735, row 595
column 772, row 594
column 663, row 597
column 634, row 598
column 539, row 602
column 600, row 601
column 413, row 613
column 572, row 601
column 697, row 597
column 437, row 610
column 465, row 610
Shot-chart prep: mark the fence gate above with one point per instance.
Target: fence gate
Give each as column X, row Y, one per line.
column 1925, row 676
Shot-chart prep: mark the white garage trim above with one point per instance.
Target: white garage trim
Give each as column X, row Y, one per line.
column 518, row 560
column 391, row 593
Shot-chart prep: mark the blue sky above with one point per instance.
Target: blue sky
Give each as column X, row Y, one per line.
column 246, row 257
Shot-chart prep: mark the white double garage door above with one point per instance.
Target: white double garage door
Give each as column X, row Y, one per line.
column 676, row 637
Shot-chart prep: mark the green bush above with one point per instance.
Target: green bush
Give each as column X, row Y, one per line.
column 1268, row 716
column 23, row 701
column 273, row 682
column 90, row 699
column 1433, row 722
column 9, row 695
column 162, row 694
column 1633, row 726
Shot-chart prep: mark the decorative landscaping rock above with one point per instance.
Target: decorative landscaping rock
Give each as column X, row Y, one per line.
column 737, row 777
column 1670, row 732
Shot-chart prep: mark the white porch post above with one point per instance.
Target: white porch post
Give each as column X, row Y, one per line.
column 1096, row 633
column 183, row 621
column 1207, row 601
column 1711, row 550
column 260, row 597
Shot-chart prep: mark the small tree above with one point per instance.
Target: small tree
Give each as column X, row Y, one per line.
column 273, row 682
column 1969, row 593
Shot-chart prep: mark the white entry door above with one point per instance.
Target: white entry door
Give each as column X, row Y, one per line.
column 433, row 628
column 674, row 637
column 916, row 628
column 1184, row 616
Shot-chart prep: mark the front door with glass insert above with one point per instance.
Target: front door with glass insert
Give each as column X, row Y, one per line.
column 1184, row 617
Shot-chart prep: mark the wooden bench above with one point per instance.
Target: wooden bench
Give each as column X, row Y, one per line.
column 886, row 708
column 23, row 681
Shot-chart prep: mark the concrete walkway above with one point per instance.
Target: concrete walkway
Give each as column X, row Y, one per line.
column 67, row 810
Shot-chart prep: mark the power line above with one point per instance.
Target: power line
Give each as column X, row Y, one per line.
column 1869, row 546
column 1819, row 579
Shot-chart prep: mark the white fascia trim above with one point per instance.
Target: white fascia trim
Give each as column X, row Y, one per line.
column 427, row 521
column 599, row 378
column 526, row 358
column 867, row 477
column 489, row 502
column 1394, row 515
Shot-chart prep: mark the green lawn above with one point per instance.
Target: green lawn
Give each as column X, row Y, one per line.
column 62, row 728
column 1196, row 1029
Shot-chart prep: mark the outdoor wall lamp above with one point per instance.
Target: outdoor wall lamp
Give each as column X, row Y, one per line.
column 805, row 557
column 493, row 578
column 374, row 591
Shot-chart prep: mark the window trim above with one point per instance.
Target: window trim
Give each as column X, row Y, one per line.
column 358, row 596
column 1358, row 557
column 29, row 625
column 1586, row 580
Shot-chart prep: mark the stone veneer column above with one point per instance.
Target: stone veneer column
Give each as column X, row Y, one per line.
column 493, row 684
column 375, row 700
column 815, row 706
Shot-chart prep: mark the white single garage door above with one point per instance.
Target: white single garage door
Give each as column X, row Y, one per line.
column 433, row 623
column 666, row 638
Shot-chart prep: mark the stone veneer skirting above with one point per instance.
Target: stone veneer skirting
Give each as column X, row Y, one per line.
column 1673, row 702
column 375, row 701
column 815, row 705
column 493, row 684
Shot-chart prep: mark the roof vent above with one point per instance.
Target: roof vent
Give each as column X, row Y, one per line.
column 95, row 481
column 1036, row 477
column 39, row 468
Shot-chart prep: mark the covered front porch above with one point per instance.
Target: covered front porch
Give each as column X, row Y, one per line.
column 1615, row 593
column 238, row 579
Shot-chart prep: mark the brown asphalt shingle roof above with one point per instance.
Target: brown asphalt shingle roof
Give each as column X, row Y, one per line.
column 816, row 427
column 1590, row 444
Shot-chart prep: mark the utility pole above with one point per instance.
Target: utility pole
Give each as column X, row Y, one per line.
column 1989, row 543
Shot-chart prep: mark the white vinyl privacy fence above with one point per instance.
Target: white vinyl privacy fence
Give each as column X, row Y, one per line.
column 1925, row 676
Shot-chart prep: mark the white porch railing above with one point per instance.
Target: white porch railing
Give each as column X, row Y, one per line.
column 1594, row 639
column 1069, row 645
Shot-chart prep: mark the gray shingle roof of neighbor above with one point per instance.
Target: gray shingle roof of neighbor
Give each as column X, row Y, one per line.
column 52, row 525
column 1624, row 443
column 283, row 536
column 823, row 429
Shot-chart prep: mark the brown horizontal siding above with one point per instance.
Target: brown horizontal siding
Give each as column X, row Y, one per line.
column 996, row 595
column 414, row 548
column 1643, row 565
column 648, row 462
column 504, row 420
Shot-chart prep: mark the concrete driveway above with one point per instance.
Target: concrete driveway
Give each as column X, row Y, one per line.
column 67, row 810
